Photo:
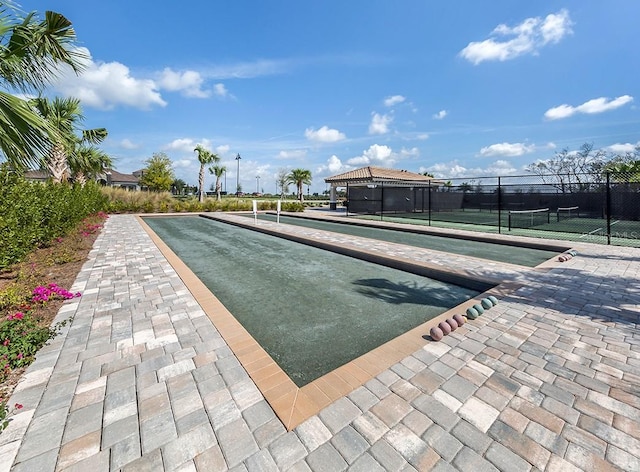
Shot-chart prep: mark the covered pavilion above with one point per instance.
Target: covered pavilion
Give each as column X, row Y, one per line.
column 372, row 175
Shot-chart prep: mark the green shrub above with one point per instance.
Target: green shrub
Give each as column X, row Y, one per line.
column 32, row 214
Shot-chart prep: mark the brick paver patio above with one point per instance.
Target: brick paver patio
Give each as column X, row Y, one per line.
column 549, row 379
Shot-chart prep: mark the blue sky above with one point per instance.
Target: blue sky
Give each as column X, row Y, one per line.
column 459, row 89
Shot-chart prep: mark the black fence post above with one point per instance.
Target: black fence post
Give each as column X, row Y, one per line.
column 381, row 200
column 347, row 200
column 499, row 207
column 429, row 207
column 608, row 208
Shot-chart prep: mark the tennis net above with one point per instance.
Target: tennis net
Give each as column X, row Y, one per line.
column 567, row 213
column 529, row 218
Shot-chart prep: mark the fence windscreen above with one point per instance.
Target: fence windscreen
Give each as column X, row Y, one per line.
column 593, row 207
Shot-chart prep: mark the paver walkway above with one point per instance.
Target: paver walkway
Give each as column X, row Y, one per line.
column 549, row 379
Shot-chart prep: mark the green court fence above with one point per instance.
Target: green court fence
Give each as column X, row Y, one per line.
column 597, row 207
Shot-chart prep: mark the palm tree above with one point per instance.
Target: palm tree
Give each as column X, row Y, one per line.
column 299, row 177
column 31, row 52
column 65, row 115
column 205, row 157
column 88, row 162
column 218, row 171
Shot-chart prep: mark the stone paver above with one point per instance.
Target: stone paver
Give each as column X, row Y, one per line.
column 141, row 380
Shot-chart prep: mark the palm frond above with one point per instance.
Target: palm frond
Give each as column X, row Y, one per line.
column 25, row 137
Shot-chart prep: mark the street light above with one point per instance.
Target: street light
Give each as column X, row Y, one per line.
column 257, row 184
column 225, row 181
column 238, row 176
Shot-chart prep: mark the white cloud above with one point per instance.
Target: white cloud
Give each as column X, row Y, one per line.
column 107, row 85
column 501, row 168
column 222, row 149
column 596, row 105
column 393, row 100
column 128, row 144
column 379, row 123
column 452, row 170
column 221, row 91
column 526, row 38
column 334, row 166
column 444, row 170
column 440, row 115
column 423, row 136
column 182, row 163
column 292, row 154
column 248, row 70
column 186, row 145
column 189, row 83
column 376, row 155
column 623, row 148
column 413, row 152
column 507, row 149
column 324, row 135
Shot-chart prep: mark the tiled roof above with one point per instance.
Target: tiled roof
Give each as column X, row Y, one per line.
column 119, row 177
column 378, row 174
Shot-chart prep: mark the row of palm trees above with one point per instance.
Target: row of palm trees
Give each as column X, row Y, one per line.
column 43, row 132
column 299, row 177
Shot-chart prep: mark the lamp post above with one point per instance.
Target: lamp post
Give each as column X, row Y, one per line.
column 238, row 176
column 225, row 181
column 257, row 184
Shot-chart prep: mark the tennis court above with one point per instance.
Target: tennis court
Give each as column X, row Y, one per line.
column 599, row 207
column 567, row 223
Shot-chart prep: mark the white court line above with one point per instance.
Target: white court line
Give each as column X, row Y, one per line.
column 599, row 229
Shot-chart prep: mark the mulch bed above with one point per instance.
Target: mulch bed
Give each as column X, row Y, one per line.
column 59, row 263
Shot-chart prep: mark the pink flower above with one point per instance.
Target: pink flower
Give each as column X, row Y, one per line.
column 19, row 406
column 18, row 316
column 6, row 342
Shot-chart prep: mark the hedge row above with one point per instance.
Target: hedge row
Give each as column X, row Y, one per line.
column 122, row 201
column 32, row 214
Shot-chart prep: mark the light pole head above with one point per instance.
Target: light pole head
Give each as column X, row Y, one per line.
column 238, row 157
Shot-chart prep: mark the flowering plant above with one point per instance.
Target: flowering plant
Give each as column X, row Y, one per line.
column 22, row 333
column 5, row 413
column 44, row 293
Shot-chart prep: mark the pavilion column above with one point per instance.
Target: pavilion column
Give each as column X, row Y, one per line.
column 333, row 198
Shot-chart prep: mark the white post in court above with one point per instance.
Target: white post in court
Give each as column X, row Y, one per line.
column 278, row 211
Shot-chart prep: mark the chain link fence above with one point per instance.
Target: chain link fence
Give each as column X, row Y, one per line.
column 602, row 208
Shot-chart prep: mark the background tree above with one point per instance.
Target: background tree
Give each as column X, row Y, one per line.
column 465, row 187
column 567, row 171
column 299, row 177
column 158, row 175
column 87, row 162
column 178, row 186
column 625, row 167
column 282, row 180
column 218, row 171
column 65, row 116
column 31, row 52
column 204, row 157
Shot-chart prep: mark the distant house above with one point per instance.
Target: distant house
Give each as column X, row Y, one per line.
column 36, row 175
column 113, row 178
column 109, row 178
